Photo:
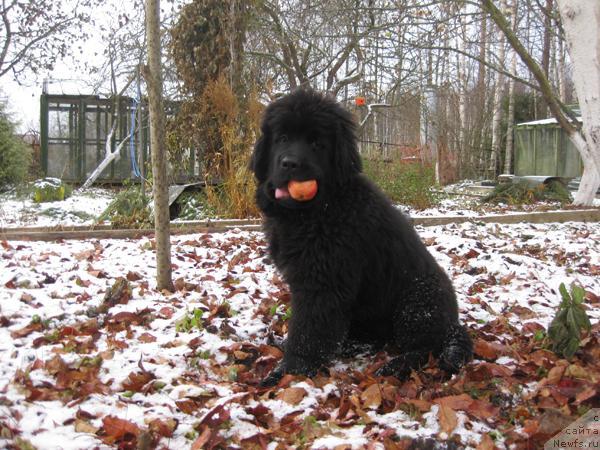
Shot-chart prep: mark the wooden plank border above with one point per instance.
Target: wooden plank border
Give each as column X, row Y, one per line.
column 218, row 226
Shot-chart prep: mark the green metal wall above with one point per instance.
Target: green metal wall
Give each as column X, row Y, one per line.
column 545, row 149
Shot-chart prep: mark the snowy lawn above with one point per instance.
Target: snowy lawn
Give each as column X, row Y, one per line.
column 81, row 208
column 83, row 366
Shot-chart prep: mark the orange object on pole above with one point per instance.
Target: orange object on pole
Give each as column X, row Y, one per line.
column 360, row 101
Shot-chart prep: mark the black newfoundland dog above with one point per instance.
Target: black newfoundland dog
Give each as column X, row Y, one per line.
column 357, row 270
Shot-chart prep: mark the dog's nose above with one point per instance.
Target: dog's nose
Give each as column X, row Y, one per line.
column 289, row 162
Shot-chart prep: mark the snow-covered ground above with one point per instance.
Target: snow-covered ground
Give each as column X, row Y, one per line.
column 82, row 369
column 82, row 208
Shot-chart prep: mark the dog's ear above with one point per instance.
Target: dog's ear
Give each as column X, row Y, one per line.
column 347, row 159
column 259, row 162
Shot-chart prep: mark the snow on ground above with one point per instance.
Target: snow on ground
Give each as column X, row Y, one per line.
column 81, row 208
column 81, row 369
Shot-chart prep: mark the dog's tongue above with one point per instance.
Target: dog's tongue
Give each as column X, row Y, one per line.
column 282, row 192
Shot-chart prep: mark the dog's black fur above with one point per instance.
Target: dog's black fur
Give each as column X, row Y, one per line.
column 356, row 268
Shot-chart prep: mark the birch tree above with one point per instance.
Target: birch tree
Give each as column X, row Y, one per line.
column 511, row 96
column 153, row 75
column 581, row 22
column 497, row 106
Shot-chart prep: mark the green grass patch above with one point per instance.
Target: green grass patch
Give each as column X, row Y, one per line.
column 408, row 184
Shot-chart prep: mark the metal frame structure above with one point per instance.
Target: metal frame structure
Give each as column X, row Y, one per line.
column 74, row 129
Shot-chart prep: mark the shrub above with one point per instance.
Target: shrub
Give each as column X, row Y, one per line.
column 15, row 155
column 523, row 193
column 129, row 209
column 194, row 206
column 409, row 184
column 564, row 331
column 50, row 190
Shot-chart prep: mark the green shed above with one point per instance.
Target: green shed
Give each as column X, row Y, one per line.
column 543, row 148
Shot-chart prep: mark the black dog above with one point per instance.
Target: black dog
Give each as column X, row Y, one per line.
column 356, row 268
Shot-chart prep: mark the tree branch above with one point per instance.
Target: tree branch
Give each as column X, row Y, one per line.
column 570, row 127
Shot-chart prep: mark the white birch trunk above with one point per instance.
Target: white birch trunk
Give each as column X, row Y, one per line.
column 581, row 21
column 497, row 106
column 511, row 98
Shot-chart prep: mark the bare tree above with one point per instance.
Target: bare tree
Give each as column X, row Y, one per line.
column 153, row 75
column 583, row 23
column 34, row 34
column 508, row 156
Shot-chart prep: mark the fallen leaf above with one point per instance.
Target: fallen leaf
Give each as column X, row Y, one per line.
column 163, row 427
column 488, row 350
column 371, row 397
column 292, row 395
column 447, row 418
column 116, row 429
column 486, row 443
column 147, row 338
column 456, row 402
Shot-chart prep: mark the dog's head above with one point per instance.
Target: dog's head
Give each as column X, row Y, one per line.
column 307, row 139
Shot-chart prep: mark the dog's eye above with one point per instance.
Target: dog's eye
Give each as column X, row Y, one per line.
column 282, row 138
column 315, row 144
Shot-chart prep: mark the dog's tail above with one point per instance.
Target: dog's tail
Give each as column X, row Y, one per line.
column 458, row 349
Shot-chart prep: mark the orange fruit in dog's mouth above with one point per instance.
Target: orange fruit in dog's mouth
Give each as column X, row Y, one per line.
column 303, row 191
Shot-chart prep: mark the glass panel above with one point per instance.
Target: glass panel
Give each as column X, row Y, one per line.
column 59, row 161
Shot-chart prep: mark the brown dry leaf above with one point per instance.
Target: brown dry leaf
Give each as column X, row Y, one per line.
column 83, row 426
column 198, row 444
column 530, row 426
column 137, row 380
column 147, row 337
column 582, row 373
column 292, row 395
column 486, row 443
column 584, row 395
column 115, row 429
column 371, row 397
column 482, row 409
column 472, row 253
column 554, row 375
column 133, row 276
column 461, row 402
column 487, row 350
column 188, row 406
column 421, row 405
column 447, row 418
column 163, row 427
column 26, row 330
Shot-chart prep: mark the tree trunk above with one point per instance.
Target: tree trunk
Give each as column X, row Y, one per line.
column 153, row 75
column 511, row 98
column 581, row 22
column 546, row 48
column 497, row 107
column 462, row 96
